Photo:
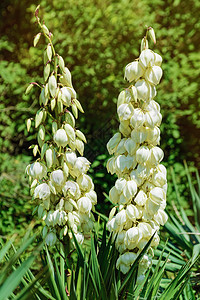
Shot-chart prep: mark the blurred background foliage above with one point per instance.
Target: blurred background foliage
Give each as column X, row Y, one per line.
column 97, row 39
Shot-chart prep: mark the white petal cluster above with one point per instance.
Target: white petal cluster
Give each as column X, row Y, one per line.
column 139, row 193
column 60, row 186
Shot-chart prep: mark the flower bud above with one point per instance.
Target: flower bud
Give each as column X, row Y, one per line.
column 28, row 124
column 81, row 136
column 49, row 52
column 66, row 78
column 45, row 29
column 60, row 138
column 70, row 132
column 66, row 96
column 79, row 146
column 144, row 44
column 152, row 34
column 52, row 84
column 38, row 118
column 69, row 118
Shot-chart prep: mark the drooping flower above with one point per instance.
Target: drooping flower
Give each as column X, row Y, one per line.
column 140, row 190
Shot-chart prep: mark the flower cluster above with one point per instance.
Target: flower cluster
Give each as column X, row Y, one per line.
column 139, row 193
column 63, row 192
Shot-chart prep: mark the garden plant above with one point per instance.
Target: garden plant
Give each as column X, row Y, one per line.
column 142, row 248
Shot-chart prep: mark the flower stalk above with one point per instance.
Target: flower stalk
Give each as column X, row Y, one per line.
column 62, row 191
column 139, row 194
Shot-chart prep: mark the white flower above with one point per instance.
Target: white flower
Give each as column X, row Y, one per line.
column 158, row 59
column 120, row 147
column 147, row 58
column 133, row 236
column 51, row 239
column 81, row 165
column 125, row 111
column 113, row 142
column 70, row 158
column 133, row 71
column 50, row 157
column 142, row 154
column 132, row 212
column 153, row 75
column 130, row 146
column 156, row 155
column 57, row 178
column 85, row 182
column 139, row 135
column 125, row 162
column 160, row 217
column 130, row 189
column 84, row 205
column 36, row 170
column 145, row 90
column 60, row 138
column 42, row 191
column 152, row 118
column 92, row 196
column 114, row 195
column 138, row 118
column 141, row 198
column 66, row 96
column 71, row 188
column 124, row 128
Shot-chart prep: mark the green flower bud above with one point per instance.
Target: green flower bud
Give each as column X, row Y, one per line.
column 46, row 72
column 52, row 85
column 38, row 118
column 45, row 29
column 36, row 39
column 35, row 150
column 81, row 136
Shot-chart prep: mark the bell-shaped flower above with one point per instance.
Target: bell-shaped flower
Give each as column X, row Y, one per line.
column 66, row 96
column 131, row 146
column 132, row 212
column 130, row 189
column 60, row 138
column 120, row 218
column 161, row 217
column 125, row 111
column 135, row 176
column 71, row 188
column 156, row 155
column 147, row 58
column 57, row 178
column 42, row 191
column 139, row 135
column 70, row 158
column 133, row 236
column 138, row 118
column 92, row 196
column 114, row 195
column 50, row 157
column 125, row 162
column 141, row 198
column 153, row 75
column 134, row 71
column 113, row 142
column 158, row 59
column 81, row 165
column 120, row 148
column 152, row 118
column 142, row 155
column 153, row 136
column 145, row 90
column 84, row 205
column 124, row 128
column 37, row 170
column 111, row 165
column 159, row 176
column 51, row 239
column 85, row 182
